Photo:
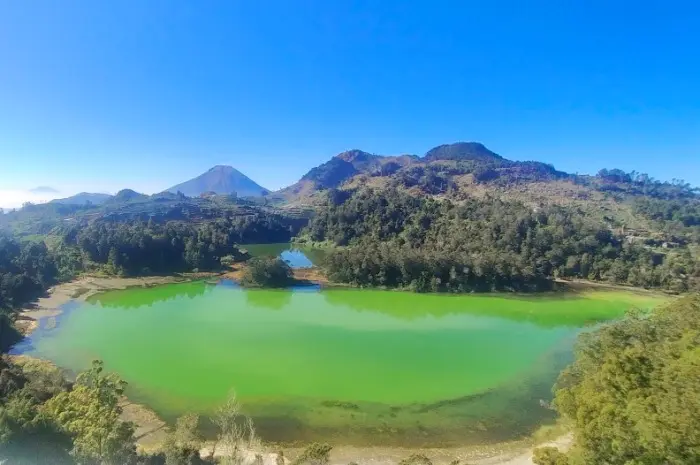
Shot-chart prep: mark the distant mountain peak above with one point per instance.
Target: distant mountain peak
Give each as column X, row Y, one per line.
column 355, row 155
column 220, row 179
column 222, row 168
column 462, row 151
column 127, row 195
column 84, row 198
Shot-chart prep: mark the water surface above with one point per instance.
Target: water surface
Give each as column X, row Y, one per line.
column 294, row 256
column 347, row 366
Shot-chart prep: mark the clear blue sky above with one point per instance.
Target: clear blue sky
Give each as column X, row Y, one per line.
column 144, row 94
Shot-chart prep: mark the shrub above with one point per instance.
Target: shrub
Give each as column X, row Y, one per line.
column 549, row 456
column 267, row 272
column 315, row 454
column 416, row 459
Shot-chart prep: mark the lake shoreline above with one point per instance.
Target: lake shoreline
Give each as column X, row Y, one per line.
column 80, row 289
column 151, row 430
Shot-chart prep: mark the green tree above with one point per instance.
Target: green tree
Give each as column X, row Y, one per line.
column 89, row 413
column 267, row 272
column 633, row 392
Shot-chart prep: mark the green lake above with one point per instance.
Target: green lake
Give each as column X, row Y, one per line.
column 345, row 366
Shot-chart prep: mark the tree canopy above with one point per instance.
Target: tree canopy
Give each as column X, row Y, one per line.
column 267, row 272
column 633, row 393
column 390, row 238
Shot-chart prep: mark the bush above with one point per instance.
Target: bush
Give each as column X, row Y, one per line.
column 315, row 454
column 267, row 272
column 416, row 459
column 549, row 456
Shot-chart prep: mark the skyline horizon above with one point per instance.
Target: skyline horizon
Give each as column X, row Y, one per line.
column 44, row 193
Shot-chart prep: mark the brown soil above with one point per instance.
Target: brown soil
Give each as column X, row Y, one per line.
column 579, row 285
column 151, row 431
column 311, row 275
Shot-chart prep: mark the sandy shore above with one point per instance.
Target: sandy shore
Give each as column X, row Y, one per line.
column 513, row 453
column 80, row 289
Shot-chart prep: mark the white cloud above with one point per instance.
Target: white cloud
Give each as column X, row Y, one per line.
column 15, row 198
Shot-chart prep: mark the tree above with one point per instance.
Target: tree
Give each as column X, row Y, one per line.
column 633, row 392
column 89, row 413
column 393, row 239
column 267, row 272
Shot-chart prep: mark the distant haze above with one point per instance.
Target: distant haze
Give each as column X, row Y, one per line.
column 14, row 198
column 44, row 190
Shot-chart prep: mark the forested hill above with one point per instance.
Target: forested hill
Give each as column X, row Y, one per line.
column 392, row 238
column 635, row 202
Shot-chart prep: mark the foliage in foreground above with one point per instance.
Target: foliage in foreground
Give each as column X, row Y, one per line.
column 267, row 272
column 43, row 419
column 633, row 393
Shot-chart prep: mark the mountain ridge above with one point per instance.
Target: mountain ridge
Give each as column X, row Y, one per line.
column 83, row 198
column 464, row 170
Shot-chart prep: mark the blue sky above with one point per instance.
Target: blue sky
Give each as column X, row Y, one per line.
column 98, row 96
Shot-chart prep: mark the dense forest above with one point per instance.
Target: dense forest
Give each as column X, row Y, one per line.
column 390, row 238
column 26, row 270
column 146, row 247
